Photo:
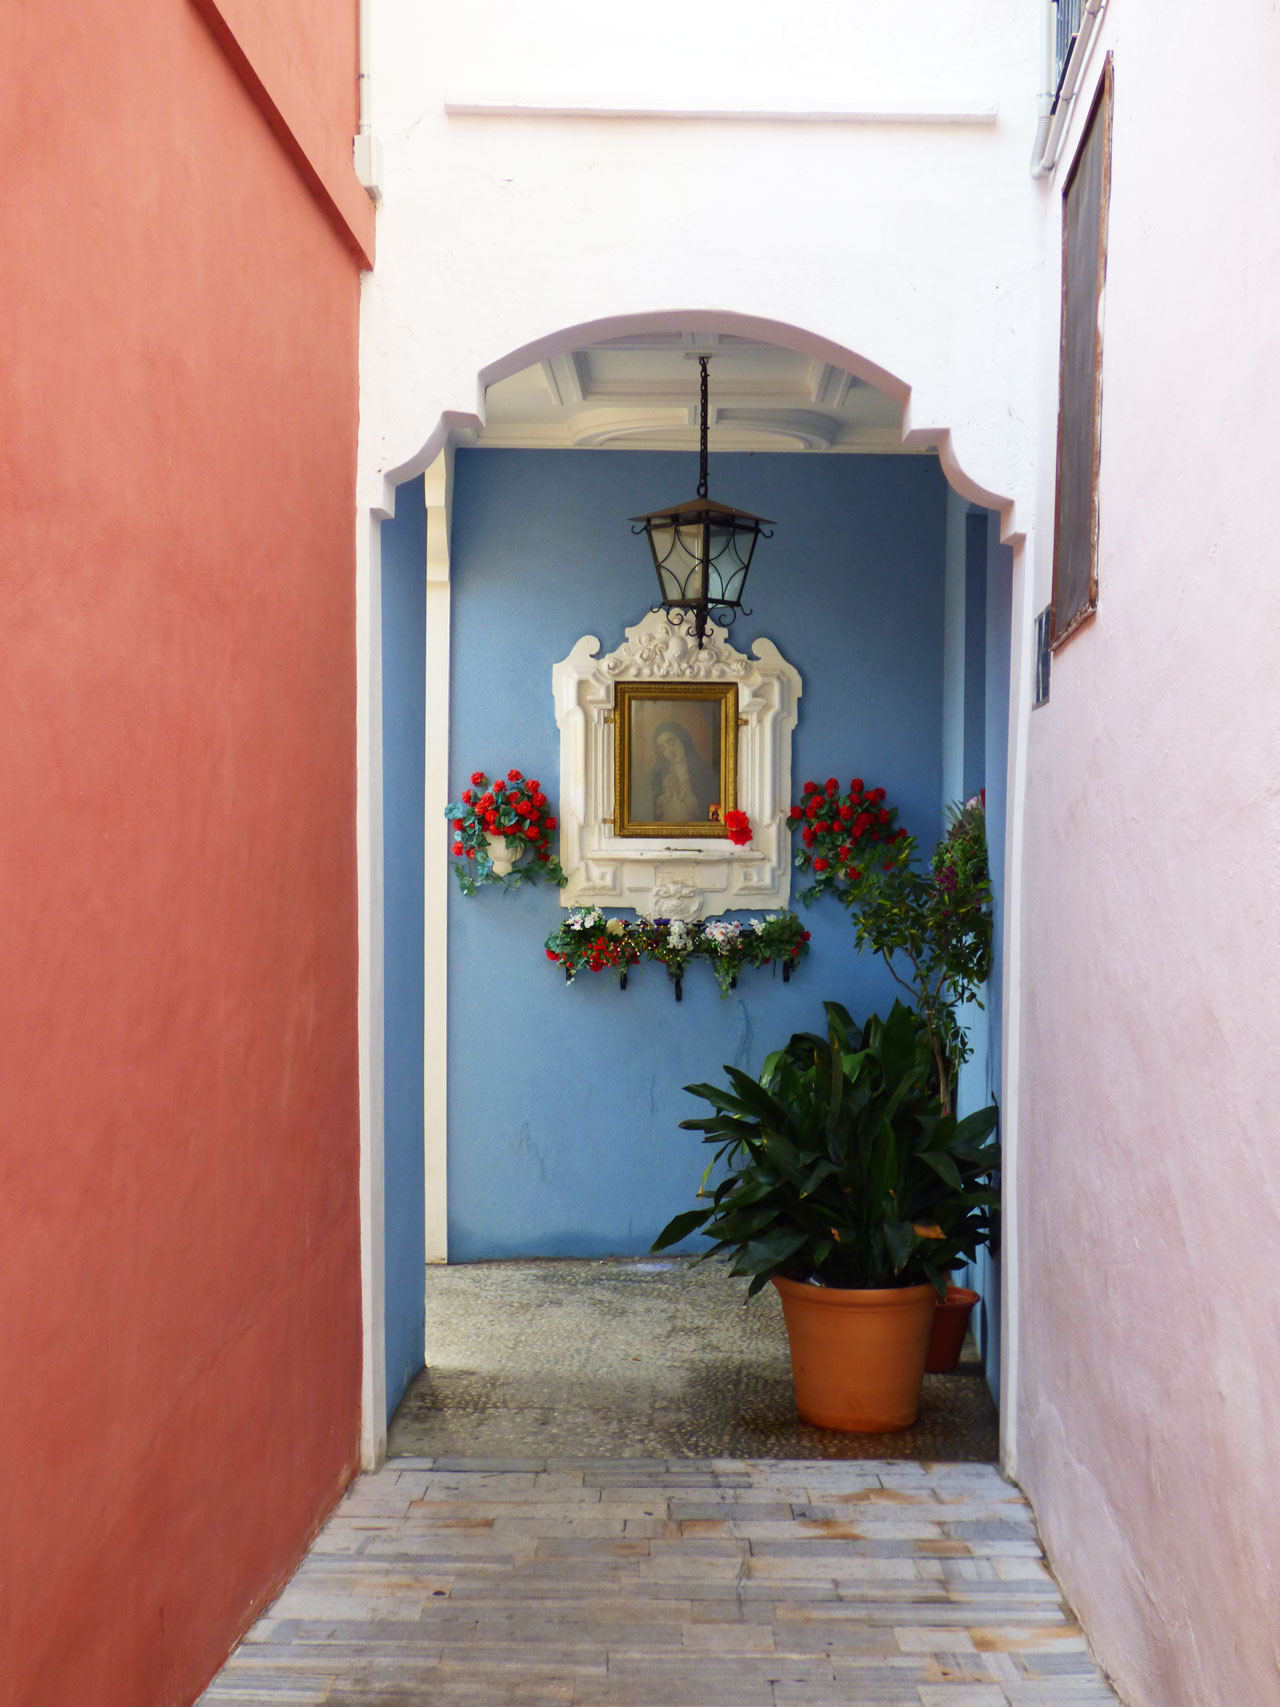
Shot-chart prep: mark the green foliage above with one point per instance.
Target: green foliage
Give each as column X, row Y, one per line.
column 588, row 941
column 932, row 928
column 842, row 1166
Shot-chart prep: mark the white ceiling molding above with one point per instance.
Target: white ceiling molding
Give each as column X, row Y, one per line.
column 548, row 372
column 597, row 427
column 641, row 393
column 566, row 379
column 819, row 375
column 806, row 427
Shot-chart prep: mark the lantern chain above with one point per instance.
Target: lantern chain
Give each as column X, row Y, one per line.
column 702, row 456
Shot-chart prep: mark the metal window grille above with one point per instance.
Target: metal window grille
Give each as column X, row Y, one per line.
column 1068, row 30
column 1043, row 657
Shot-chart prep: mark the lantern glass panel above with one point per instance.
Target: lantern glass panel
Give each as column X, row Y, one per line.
column 731, row 549
column 677, row 555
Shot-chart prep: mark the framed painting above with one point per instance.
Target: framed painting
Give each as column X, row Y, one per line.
column 738, row 714
column 675, row 758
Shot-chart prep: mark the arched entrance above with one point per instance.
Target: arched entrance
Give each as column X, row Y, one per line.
column 410, row 564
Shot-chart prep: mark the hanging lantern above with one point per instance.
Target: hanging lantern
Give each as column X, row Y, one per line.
column 702, row 550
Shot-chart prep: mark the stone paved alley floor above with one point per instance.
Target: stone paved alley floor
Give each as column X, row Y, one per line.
column 651, row 1525
column 658, row 1358
column 670, row 1584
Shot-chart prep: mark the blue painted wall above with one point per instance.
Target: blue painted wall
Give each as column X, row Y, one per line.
column 404, row 563
column 996, row 562
column 983, row 704
column 564, row 1102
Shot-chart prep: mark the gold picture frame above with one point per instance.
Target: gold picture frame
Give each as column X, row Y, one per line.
column 675, row 769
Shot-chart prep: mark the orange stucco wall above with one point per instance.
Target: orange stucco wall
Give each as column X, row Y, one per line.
column 179, row 1274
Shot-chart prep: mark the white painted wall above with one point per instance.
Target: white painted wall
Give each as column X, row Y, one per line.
column 1149, row 1160
column 913, row 245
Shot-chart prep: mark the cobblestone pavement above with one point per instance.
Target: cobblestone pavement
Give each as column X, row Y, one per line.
column 679, row 1583
column 656, row 1358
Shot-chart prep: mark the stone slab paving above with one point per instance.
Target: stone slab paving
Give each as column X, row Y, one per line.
column 670, row 1583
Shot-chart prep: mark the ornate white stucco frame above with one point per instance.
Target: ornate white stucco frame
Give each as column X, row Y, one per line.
column 683, row 878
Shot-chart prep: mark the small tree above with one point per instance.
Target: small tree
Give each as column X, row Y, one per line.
column 931, row 927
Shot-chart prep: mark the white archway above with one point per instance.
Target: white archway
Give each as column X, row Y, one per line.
column 433, row 458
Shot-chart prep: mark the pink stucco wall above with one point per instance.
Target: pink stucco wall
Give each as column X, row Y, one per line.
column 179, row 1262
column 1149, row 1114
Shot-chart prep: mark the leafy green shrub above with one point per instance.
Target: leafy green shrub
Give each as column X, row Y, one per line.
column 842, row 1166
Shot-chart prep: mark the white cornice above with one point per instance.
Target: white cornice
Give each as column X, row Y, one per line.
column 498, row 104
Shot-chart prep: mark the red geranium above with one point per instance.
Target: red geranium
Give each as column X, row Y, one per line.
column 739, row 827
column 835, row 829
column 508, row 809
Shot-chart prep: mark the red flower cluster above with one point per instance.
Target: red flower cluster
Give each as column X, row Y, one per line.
column 607, row 951
column 739, row 827
column 511, row 807
column 843, row 833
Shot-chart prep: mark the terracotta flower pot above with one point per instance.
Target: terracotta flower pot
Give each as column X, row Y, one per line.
column 857, row 1357
column 950, row 1325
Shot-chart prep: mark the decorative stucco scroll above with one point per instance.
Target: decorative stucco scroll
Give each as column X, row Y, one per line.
column 685, row 878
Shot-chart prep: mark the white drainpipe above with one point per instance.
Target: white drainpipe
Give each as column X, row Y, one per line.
column 1052, row 121
column 366, row 151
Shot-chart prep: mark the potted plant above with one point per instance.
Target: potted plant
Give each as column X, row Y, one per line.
column 849, row 1188
column 931, row 928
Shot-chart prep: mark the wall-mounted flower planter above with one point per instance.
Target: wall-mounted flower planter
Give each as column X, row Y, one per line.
column 588, row 941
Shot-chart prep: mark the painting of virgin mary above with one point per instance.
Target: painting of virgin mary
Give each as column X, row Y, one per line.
column 671, row 758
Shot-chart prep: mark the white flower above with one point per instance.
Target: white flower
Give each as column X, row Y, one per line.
column 616, row 927
column 759, row 926
column 584, row 918
column 678, row 933
column 724, row 933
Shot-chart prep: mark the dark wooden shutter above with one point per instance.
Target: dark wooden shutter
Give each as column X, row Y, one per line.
column 1084, row 267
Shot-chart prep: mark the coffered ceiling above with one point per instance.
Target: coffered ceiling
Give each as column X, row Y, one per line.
column 641, row 393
